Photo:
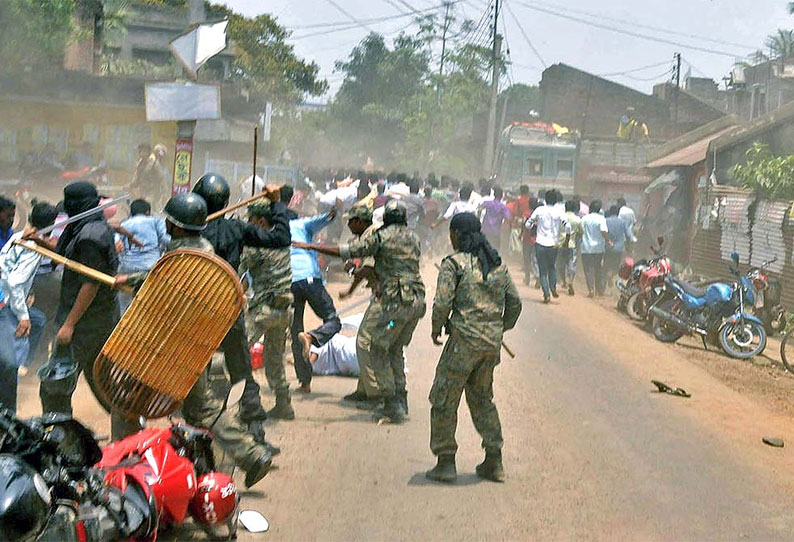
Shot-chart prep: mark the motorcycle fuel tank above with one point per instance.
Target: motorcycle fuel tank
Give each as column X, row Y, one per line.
column 718, row 293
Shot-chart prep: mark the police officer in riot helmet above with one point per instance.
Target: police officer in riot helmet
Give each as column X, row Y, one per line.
column 186, row 216
column 228, row 236
column 188, row 211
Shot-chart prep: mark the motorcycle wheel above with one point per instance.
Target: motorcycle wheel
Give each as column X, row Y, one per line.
column 743, row 341
column 665, row 331
column 787, row 351
column 635, row 307
column 622, row 300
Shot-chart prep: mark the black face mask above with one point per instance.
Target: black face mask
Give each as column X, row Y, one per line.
column 79, row 197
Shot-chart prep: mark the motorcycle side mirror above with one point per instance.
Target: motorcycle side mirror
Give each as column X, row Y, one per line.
column 660, row 240
column 735, row 257
column 253, row 521
column 235, row 393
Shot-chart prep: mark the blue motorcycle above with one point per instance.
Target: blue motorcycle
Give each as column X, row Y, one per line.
column 716, row 313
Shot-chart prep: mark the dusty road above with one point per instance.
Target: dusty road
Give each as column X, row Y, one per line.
column 590, row 450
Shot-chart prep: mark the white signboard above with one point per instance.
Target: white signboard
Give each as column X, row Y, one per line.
column 182, row 101
column 198, row 44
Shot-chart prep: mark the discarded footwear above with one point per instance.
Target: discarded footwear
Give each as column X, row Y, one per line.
column 444, row 471
column 491, row 468
column 355, row 396
column 306, row 341
column 258, row 470
column 283, row 409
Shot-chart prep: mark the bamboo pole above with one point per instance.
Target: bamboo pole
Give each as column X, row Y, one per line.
column 236, row 206
column 77, row 267
column 253, row 176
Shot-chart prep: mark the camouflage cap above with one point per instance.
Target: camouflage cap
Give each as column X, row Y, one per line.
column 362, row 212
column 259, row 209
column 395, row 209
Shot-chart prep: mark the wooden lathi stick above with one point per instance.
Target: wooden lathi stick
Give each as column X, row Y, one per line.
column 236, row 206
column 77, row 267
column 504, row 344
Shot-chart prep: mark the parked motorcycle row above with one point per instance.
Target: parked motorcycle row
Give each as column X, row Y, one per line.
column 57, row 484
column 738, row 316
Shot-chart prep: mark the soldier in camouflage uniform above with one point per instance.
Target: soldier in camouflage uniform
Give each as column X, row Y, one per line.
column 398, row 305
column 269, row 312
column 359, row 220
column 476, row 301
column 185, row 218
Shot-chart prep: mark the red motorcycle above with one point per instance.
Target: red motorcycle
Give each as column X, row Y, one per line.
column 173, row 469
column 650, row 283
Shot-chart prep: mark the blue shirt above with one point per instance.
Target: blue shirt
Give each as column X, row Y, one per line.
column 304, row 262
column 5, row 235
column 150, row 231
column 619, row 232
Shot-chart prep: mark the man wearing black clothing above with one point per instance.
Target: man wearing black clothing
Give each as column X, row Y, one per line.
column 87, row 311
column 228, row 236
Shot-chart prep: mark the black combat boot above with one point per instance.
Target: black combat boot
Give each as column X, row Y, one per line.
column 445, row 470
column 391, row 409
column 491, row 468
column 258, row 469
column 403, row 396
column 283, row 409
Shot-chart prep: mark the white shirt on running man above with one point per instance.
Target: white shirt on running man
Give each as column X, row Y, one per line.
column 550, row 219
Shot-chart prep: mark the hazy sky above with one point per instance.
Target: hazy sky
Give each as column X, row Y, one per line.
column 730, row 27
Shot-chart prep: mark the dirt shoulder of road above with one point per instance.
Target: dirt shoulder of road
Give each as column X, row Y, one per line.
column 763, row 379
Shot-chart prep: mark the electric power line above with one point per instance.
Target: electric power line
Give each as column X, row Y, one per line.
column 642, row 25
column 628, row 32
column 641, row 68
column 526, row 37
column 349, row 15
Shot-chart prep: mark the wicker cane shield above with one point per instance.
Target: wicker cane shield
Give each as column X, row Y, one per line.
column 167, row 337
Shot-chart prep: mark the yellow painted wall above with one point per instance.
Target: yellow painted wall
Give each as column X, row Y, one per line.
column 26, row 126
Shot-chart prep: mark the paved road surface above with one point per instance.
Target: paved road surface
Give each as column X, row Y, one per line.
column 590, row 451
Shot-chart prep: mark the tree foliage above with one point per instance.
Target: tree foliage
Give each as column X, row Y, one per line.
column 766, row 174
column 394, row 106
column 33, row 33
column 265, row 61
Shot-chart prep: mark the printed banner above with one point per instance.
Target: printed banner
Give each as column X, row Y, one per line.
column 183, row 161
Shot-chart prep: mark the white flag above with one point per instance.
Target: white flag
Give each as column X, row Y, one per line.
column 198, row 44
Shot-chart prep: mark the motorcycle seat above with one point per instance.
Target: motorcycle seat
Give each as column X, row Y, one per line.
column 690, row 289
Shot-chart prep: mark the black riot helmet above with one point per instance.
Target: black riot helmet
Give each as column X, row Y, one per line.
column 188, row 211
column 215, row 191
column 24, row 500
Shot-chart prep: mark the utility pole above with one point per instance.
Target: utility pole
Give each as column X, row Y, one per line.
column 677, row 77
column 447, row 21
column 491, row 133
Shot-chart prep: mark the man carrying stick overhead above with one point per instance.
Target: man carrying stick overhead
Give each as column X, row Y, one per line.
column 228, row 236
column 186, row 216
column 476, row 301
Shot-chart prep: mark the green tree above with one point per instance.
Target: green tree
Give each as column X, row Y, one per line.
column 766, row 174
column 33, row 33
column 265, row 62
